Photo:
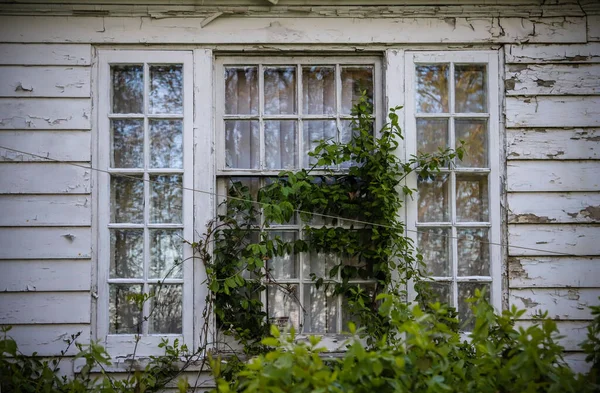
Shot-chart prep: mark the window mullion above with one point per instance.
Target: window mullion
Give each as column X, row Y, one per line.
column 452, row 145
column 261, row 112
column 146, row 306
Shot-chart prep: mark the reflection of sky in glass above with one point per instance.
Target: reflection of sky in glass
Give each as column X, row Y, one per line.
column 127, row 89
column 473, row 252
column 166, row 199
column 166, row 89
column 166, row 253
column 166, row 143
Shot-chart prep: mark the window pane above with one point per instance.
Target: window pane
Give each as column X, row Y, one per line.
column 166, row 143
column 127, row 199
column 355, row 80
column 470, row 82
column 166, row 253
column 241, row 91
column 314, row 131
column 439, row 291
column 280, row 90
column 281, row 151
column 243, row 187
column 127, row 89
column 166, row 309
column 124, row 315
column 432, row 134
column 432, row 88
column 126, row 253
column 318, row 90
column 433, row 199
column 284, row 267
column 127, row 143
column 283, row 305
column 166, row 199
column 473, row 252
column 242, row 144
column 367, row 292
column 321, row 309
column 474, row 133
column 319, row 264
column 166, row 89
column 471, row 198
column 466, row 290
column 434, row 245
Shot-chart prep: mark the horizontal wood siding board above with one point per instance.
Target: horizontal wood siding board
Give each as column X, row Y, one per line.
column 553, row 79
column 44, row 54
column 45, row 210
column 593, row 28
column 573, row 332
column 40, row 113
column 45, row 275
column 45, row 243
column 551, row 111
column 576, row 361
column 49, row 340
column 562, row 304
column 57, row 145
column 43, row 178
column 553, row 176
column 47, row 307
column 553, row 144
column 553, row 240
column 554, row 272
column 553, row 207
column 45, row 82
column 563, row 53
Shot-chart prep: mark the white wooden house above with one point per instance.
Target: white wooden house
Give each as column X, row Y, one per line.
column 193, row 92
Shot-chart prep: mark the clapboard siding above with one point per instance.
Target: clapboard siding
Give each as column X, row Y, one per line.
column 552, row 79
column 44, row 81
column 553, row 176
column 45, row 275
column 45, row 54
column 49, row 340
column 563, row 304
column 45, row 210
column 553, row 208
column 47, row 307
column 56, row 145
column 45, row 243
column 576, row 361
column 573, row 53
column 552, row 111
column 43, row 178
column 553, row 144
column 572, row 333
column 548, row 239
column 40, row 113
column 554, row 272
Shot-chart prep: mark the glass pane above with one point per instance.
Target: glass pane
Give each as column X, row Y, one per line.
column 471, row 198
column 243, row 187
column 314, row 131
column 280, row 90
column 242, row 144
column 367, row 292
column 435, row 291
column 126, row 253
column 432, row 88
column 432, row 134
column 433, row 199
column 166, row 253
column 127, row 199
column 281, row 150
column 124, row 315
column 127, row 143
column 321, row 309
column 355, row 80
column 166, row 143
column 166, row 198
column 434, row 245
column 166, row 89
column 166, row 309
column 473, row 252
column 318, row 90
column 283, row 267
column 241, row 91
column 470, row 95
column 319, row 264
column 474, row 134
column 466, row 290
column 283, row 305
column 127, row 89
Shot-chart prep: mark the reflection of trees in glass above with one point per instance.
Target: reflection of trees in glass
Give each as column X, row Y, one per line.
column 472, row 198
column 280, row 90
column 166, row 143
column 166, row 253
column 466, row 290
column 124, row 315
column 432, row 134
column 166, row 309
column 166, row 89
column 470, row 92
column 127, row 199
column 432, row 88
column 355, row 80
column 433, row 199
column 126, row 253
column 434, row 245
column 473, row 252
column 127, row 143
column 127, row 89
column 241, row 90
column 166, row 198
column 475, row 135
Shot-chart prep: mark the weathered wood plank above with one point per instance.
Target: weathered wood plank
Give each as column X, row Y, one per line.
column 553, row 144
column 552, row 79
column 45, row 210
column 593, row 28
column 563, row 304
column 58, row 145
column 45, row 243
column 553, row 272
column 61, row 54
column 545, row 208
column 573, row 332
column 45, row 81
column 577, row 363
column 43, row 178
column 45, row 276
column 553, row 240
column 550, row 111
column 49, row 340
column 553, row 176
column 53, row 114
column 574, row 53
column 48, row 307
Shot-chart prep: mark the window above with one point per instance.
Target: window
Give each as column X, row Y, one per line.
column 145, row 147
column 452, row 97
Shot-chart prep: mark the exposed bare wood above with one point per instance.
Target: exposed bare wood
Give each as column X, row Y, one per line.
column 60, row 54
column 45, row 210
column 553, row 176
column 45, row 276
column 551, row 111
column 562, row 304
column 45, row 308
column 49, row 340
column 553, row 144
column 527, row 53
column 58, row 145
column 545, row 208
column 54, row 114
column 553, row 79
column 43, row 178
column 554, row 272
column 553, row 240
column 44, row 81
column 45, row 243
